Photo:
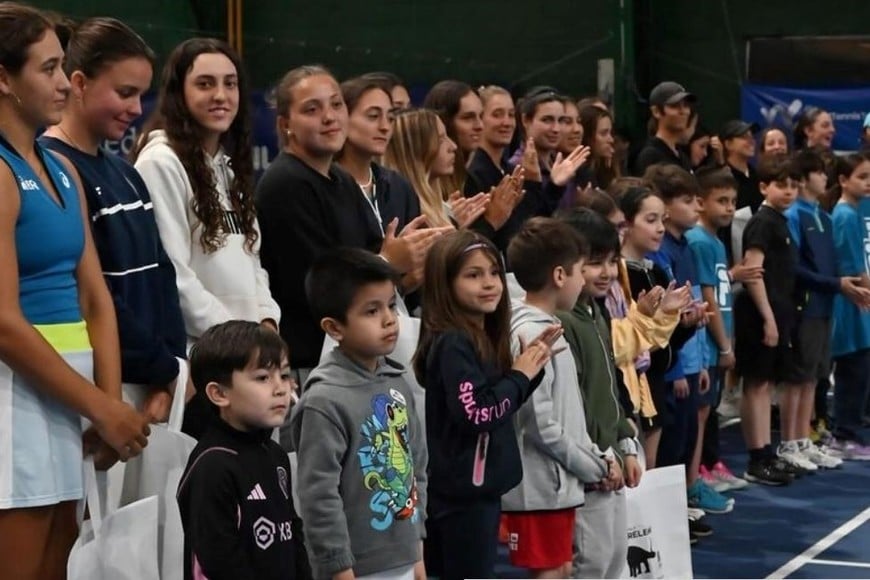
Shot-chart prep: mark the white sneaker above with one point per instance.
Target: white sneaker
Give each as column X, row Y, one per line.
column 788, row 451
column 729, row 407
column 817, row 455
column 696, row 513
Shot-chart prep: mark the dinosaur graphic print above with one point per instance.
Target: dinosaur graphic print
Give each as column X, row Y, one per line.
column 387, row 463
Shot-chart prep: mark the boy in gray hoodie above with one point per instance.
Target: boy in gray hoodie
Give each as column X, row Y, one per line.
column 558, row 456
column 361, row 450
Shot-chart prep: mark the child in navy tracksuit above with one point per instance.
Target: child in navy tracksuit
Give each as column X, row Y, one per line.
column 818, row 284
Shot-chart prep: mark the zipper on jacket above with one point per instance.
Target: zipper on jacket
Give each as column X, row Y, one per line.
column 478, row 471
column 652, row 284
column 609, row 367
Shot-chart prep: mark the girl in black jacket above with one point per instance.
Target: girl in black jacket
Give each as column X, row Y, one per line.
column 473, row 388
column 644, row 214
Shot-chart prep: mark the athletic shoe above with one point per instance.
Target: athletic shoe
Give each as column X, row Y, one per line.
column 724, row 477
column 819, row 433
column 706, row 498
column 791, row 469
column 699, row 529
column 817, row 456
column 729, row 407
column 710, row 479
column 828, row 450
column 767, row 471
column 851, row 450
column 789, row 452
column 696, row 513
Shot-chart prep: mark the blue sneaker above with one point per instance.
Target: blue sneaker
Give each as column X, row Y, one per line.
column 704, row 497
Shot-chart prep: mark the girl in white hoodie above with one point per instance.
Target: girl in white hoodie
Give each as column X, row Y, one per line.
column 195, row 157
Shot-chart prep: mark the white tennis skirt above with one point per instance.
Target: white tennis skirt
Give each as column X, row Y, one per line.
column 40, row 438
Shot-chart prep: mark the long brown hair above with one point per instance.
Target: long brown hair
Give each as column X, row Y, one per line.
column 186, row 136
column 604, row 171
column 442, row 313
column 20, row 27
column 445, row 99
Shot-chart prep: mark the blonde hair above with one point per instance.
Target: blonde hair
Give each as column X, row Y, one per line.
column 412, row 151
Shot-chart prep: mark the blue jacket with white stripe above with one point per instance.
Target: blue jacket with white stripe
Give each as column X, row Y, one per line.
column 137, row 270
column 818, row 282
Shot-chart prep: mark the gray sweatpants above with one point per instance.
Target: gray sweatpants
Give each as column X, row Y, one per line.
column 600, row 541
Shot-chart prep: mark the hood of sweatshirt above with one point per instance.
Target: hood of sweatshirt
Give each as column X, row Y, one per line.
column 338, row 370
column 219, row 163
column 154, row 139
column 522, row 313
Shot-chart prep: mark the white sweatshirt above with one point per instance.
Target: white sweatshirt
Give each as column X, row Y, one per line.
column 227, row 284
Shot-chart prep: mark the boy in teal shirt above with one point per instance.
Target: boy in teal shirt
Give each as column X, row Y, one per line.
column 718, row 193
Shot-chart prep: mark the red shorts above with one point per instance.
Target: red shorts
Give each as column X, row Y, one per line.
column 540, row 540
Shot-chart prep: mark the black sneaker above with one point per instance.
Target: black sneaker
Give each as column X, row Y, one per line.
column 767, row 472
column 699, row 529
column 795, row 471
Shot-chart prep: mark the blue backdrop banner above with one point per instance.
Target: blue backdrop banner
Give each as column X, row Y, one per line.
column 782, row 106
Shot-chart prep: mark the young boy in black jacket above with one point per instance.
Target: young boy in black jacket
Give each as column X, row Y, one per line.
column 235, row 501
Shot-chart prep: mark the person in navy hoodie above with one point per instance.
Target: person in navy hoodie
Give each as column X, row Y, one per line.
column 110, row 68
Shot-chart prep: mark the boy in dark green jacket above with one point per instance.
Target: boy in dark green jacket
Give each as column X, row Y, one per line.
column 600, row 529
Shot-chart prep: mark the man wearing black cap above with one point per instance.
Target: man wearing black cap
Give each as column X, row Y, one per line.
column 670, row 106
column 739, row 144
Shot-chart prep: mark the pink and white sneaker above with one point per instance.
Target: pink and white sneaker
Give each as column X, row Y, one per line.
column 726, row 480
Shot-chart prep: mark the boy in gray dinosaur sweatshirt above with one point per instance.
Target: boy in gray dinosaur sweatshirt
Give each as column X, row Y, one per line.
column 361, row 450
column 559, row 458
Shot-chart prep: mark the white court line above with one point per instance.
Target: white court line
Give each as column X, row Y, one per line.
column 841, row 563
column 807, row 555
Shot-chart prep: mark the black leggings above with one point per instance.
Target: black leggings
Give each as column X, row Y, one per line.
column 710, row 445
column 462, row 539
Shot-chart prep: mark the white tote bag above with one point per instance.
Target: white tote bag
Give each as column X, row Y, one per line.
column 118, row 545
column 156, row 472
column 406, row 346
column 658, row 533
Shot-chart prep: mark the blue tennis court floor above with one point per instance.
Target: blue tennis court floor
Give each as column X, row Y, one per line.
column 817, row 527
